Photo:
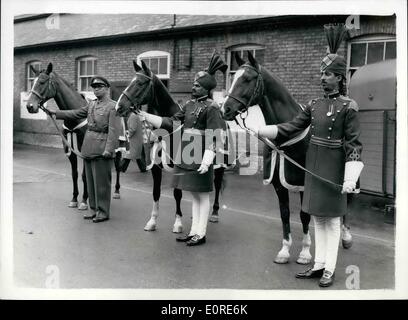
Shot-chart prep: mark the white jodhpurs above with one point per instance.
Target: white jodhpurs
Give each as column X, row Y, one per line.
column 327, row 237
column 200, row 213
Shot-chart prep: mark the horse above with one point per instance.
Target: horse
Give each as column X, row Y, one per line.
column 48, row 84
column 147, row 89
column 252, row 85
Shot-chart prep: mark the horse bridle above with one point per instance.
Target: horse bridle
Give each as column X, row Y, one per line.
column 136, row 104
column 42, row 98
column 256, row 94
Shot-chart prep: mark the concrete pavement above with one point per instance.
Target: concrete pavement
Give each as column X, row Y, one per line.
column 238, row 254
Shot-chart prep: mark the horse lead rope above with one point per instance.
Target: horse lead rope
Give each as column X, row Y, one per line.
column 64, row 140
column 282, row 153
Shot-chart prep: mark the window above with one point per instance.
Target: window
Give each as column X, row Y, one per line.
column 257, row 51
column 86, row 69
column 158, row 62
column 30, row 74
column 369, row 50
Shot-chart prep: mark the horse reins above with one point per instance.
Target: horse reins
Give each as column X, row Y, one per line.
column 41, row 106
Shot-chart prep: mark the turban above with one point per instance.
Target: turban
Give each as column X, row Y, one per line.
column 206, row 78
column 333, row 62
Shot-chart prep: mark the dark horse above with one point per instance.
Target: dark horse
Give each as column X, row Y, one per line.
column 255, row 85
column 47, row 85
column 147, row 89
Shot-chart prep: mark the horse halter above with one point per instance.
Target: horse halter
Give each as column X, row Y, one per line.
column 136, row 103
column 256, row 94
column 42, row 98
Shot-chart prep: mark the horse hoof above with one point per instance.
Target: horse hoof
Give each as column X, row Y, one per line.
column 302, row 260
column 73, row 204
column 281, row 260
column 116, row 195
column 150, row 226
column 177, row 229
column 214, row 218
column 83, row 206
column 347, row 244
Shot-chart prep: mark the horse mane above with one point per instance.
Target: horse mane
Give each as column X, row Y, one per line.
column 277, row 104
column 67, row 104
column 163, row 103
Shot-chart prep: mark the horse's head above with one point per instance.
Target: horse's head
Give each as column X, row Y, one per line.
column 246, row 88
column 42, row 90
column 138, row 92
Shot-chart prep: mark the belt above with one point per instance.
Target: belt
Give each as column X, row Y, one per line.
column 335, row 143
column 97, row 129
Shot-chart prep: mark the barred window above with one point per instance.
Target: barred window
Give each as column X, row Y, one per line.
column 36, row 65
column 86, row 69
column 369, row 50
column 257, row 51
column 158, row 62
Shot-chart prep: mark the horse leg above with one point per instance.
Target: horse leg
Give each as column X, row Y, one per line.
column 117, row 160
column 346, row 237
column 218, row 176
column 84, row 203
column 304, row 256
column 283, row 196
column 157, row 177
column 178, row 226
column 74, row 173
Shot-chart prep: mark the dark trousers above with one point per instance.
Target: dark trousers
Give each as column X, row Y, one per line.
column 99, row 177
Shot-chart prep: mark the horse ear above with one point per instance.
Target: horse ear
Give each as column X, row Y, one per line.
column 49, row 68
column 36, row 72
column 252, row 60
column 136, row 66
column 146, row 68
column 238, row 59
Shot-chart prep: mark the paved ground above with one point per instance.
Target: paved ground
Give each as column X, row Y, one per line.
column 239, row 252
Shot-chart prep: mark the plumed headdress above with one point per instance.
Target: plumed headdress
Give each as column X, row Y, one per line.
column 206, row 78
column 335, row 33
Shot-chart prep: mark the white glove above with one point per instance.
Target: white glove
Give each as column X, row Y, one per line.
column 352, row 172
column 269, row 132
column 208, row 159
column 156, row 121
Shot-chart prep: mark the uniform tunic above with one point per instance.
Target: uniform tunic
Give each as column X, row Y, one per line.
column 102, row 135
column 197, row 116
column 335, row 131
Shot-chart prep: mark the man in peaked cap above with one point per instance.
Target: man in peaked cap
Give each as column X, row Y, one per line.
column 98, row 149
column 200, row 117
column 334, row 153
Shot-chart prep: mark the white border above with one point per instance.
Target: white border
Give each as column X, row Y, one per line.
column 11, row 8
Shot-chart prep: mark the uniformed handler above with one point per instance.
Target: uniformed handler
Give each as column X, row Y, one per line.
column 98, row 149
column 197, row 115
column 334, row 153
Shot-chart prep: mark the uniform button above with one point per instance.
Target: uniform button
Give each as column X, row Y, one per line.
column 338, row 110
column 330, row 128
column 312, row 135
column 328, row 138
column 312, row 127
column 312, row 118
column 333, row 119
column 334, row 98
column 312, row 109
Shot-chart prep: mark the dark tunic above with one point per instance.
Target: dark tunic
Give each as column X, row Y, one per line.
column 197, row 116
column 335, row 131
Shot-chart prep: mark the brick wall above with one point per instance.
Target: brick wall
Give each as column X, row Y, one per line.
column 293, row 53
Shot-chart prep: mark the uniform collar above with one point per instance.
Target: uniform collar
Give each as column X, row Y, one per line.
column 203, row 98
column 332, row 95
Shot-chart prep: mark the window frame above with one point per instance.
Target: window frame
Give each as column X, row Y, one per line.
column 242, row 48
column 366, row 40
column 156, row 54
column 28, row 83
column 79, row 77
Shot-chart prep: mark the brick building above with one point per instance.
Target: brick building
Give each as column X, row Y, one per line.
column 176, row 47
